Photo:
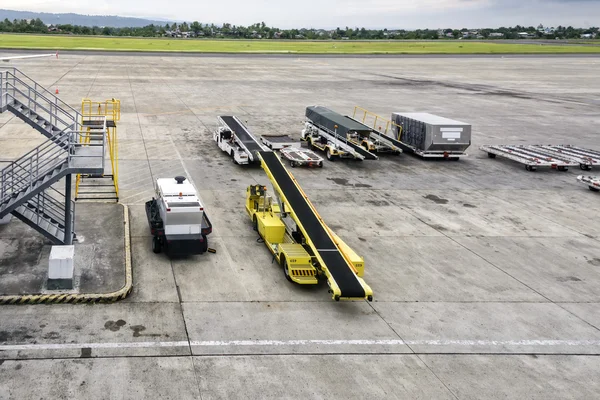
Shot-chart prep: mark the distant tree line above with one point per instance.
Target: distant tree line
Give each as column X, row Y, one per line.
column 262, row 31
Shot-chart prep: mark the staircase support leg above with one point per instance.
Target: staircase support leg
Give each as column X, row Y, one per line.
column 68, row 216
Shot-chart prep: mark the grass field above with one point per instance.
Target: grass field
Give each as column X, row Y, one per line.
column 53, row 42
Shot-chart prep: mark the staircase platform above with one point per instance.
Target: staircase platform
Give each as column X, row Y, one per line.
column 88, row 160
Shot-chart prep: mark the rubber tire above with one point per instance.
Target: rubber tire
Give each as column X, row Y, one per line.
column 329, row 156
column 156, row 247
column 491, row 155
column 321, row 164
column 255, row 223
column 204, row 244
column 585, row 167
column 563, row 169
column 593, row 189
column 285, row 270
column 293, row 164
column 530, row 168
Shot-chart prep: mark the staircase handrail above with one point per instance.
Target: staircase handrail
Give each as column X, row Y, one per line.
column 57, row 100
column 76, row 120
column 47, row 157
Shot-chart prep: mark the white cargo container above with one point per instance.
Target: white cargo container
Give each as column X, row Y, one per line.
column 430, row 135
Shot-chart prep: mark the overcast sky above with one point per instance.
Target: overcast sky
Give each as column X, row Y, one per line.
column 408, row 14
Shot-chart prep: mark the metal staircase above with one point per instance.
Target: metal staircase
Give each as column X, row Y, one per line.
column 27, row 185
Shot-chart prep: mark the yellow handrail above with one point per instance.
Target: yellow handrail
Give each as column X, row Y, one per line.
column 377, row 118
column 111, row 109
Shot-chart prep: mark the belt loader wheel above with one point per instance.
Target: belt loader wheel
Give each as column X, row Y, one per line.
column 286, row 270
column 156, row 247
column 330, row 156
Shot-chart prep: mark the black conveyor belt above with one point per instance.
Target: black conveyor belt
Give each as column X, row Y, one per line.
column 242, row 133
column 340, row 269
column 394, row 141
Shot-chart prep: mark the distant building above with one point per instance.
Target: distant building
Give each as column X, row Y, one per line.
column 496, row 35
column 470, row 34
column 588, row 36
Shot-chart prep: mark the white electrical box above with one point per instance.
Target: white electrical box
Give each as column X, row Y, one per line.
column 61, row 262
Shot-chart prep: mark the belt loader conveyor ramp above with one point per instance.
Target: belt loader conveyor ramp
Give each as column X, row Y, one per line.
column 242, row 138
column 327, row 130
column 330, row 252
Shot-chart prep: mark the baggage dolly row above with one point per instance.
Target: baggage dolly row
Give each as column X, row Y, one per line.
column 559, row 157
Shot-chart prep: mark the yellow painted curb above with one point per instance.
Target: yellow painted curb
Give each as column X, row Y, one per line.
column 86, row 297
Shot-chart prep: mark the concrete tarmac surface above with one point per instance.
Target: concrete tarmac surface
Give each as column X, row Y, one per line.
column 486, row 277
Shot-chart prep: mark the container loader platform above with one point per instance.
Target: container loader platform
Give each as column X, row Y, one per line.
column 234, row 138
column 335, row 134
column 299, row 239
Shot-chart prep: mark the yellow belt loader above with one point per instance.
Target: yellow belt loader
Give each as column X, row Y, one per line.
column 299, row 239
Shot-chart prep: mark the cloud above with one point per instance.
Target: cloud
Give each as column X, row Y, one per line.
column 393, row 14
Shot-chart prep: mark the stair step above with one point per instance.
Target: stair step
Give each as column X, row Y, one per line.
column 53, row 230
column 44, row 224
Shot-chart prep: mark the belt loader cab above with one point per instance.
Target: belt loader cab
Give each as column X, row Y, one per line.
column 177, row 219
column 286, row 242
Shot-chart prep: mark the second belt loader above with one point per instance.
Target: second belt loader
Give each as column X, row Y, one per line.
column 299, row 239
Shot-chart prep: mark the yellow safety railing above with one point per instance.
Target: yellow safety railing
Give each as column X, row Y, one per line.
column 378, row 122
column 111, row 109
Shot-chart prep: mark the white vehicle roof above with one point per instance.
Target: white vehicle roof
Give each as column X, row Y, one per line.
column 174, row 192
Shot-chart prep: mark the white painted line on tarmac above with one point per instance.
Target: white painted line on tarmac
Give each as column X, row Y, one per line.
column 279, row 343
column 234, row 343
column 77, row 346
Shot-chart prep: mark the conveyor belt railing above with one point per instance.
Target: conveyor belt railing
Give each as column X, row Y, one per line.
column 341, row 275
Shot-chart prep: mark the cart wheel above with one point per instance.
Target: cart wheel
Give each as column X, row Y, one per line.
column 530, row 168
column 593, row 189
column 455, row 159
column 321, row 164
column 491, row 155
column 563, row 168
column 293, row 164
column 156, row 244
column 585, row 167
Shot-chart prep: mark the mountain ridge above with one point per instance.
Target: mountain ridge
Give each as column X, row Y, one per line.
column 113, row 21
